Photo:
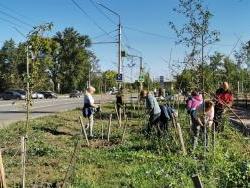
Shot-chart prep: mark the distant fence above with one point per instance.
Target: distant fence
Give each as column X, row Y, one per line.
column 242, row 100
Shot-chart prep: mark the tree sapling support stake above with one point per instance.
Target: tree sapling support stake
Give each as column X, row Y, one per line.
column 124, row 128
column 197, row 181
column 84, row 130
column 102, row 131
column 23, row 161
column 2, row 174
column 181, row 139
column 109, row 126
column 118, row 115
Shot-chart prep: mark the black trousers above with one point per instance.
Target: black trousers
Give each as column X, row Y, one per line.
column 218, row 116
column 153, row 120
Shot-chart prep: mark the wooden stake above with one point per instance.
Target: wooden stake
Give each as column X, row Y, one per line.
column 84, row 130
column 120, row 117
column 124, row 128
column 181, row 139
column 213, row 137
column 197, row 181
column 71, row 163
column 118, row 114
column 102, row 131
column 23, row 159
column 109, row 126
column 2, row 174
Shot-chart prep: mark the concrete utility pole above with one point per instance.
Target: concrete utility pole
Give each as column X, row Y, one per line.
column 119, row 45
column 119, row 40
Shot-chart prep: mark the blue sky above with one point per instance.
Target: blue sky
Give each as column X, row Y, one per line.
column 230, row 18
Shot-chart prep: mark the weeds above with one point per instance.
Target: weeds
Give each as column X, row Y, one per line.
column 140, row 161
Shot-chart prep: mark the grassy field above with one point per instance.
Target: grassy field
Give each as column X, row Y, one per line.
column 138, row 161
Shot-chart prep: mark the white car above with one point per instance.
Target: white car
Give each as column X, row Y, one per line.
column 37, row 95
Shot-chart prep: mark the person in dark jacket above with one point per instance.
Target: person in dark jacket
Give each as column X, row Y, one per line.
column 223, row 98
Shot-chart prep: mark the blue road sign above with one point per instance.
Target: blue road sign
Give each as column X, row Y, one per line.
column 119, row 78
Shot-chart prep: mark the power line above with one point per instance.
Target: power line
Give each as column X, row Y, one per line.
column 102, row 12
column 15, row 18
column 99, row 36
column 14, row 11
column 149, row 33
column 89, row 17
column 10, row 22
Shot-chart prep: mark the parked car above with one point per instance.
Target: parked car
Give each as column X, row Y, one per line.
column 48, row 94
column 75, row 94
column 8, row 95
column 113, row 91
column 21, row 91
column 37, row 95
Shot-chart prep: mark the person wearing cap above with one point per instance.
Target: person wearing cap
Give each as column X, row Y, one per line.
column 89, row 108
column 223, row 99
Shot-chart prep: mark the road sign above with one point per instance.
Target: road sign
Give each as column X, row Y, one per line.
column 119, row 78
column 141, row 78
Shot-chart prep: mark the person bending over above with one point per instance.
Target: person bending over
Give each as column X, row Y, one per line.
column 202, row 116
column 152, row 107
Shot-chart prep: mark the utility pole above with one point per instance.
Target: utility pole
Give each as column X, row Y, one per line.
column 119, row 41
column 119, row 46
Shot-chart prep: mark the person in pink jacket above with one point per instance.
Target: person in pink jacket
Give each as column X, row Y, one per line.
column 194, row 101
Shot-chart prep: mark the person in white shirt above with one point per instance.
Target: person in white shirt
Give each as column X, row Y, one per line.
column 89, row 108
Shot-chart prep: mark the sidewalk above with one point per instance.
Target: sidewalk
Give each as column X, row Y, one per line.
column 244, row 115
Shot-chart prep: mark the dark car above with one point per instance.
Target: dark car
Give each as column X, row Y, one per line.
column 21, row 91
column 75, row 94
column 48, row 94
column 8, row 95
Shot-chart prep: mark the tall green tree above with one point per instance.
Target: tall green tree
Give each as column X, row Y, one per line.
column 109, row 79
column 74, row 59
column 10, row 77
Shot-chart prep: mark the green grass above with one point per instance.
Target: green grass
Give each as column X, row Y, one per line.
column 139, row 161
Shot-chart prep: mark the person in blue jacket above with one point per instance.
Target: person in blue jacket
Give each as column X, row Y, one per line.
column 152, row 107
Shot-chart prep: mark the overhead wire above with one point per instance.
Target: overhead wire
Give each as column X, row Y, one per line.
column 104, row 34
column 15, row 12
column 15, row 18
column 102, row 12
column 10, row 22
column 89, row 17
column 149, row 33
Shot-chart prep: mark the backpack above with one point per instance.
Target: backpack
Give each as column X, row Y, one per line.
column 166, row 113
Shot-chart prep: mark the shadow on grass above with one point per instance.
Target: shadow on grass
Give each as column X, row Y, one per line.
column 55, row 131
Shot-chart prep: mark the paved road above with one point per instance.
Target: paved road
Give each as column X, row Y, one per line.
column 12, row 111
column 244, row 115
